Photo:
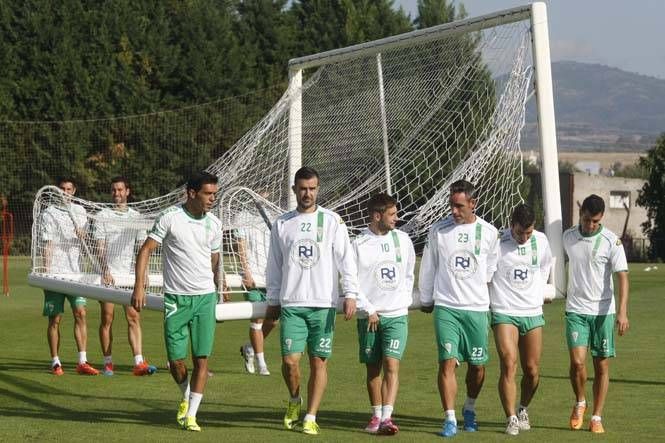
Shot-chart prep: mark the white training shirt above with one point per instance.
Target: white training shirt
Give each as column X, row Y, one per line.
column 58, row 228
column 187, row 246
column 458, row 263
column 385, row 273
column 592, row 261
column 307, row 251
column 254, row 232
column 518, row 285
column 121, row 231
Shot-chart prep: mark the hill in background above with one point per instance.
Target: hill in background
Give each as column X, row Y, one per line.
column 599, row 108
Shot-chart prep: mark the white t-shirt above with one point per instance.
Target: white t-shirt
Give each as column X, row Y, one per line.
column 518, row 285
column 593, row 260
column 385, row 272
column 120, row 230
column 58, row 229
column 458, row 262
column 187, row 246
column 307, row 251
column 254, row 232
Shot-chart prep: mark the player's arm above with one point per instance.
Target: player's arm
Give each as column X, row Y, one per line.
column 107, row 278
column 138, row 294
column 48, row 255
column 428, row 266
column 274, row 274
column 622, row 309
column 346, row 263
column 247, row 278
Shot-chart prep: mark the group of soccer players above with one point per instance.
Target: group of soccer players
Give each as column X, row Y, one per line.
column 65, row 228
column 471, row 276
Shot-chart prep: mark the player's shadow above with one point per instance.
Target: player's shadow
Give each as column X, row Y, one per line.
column 21, row 364
column 612, row 380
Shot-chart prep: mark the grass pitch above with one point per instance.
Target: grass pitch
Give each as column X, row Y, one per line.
column 35, row 405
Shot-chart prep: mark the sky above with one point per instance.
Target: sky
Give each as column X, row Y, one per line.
column 628, row 35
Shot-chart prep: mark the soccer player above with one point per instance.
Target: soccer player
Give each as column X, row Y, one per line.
column 64, row 230
column 594, row 254
column 309, row 246
column 190, row 237
column 253, row 243
column 516, row 302
column 458, row 262
column 386, row 260
column 116, row 234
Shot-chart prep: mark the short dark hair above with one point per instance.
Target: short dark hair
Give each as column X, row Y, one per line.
column 593, row 205
column 465, row 187
column 198, row 179
column 380, row 203
column 121, row 179
column 66, row 179
column 305, row 173
column 523, row 215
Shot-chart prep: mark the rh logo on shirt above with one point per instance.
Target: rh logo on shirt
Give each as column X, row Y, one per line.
column 462, row 264
column 305, row 252
column 386, row 274
column 520, row 276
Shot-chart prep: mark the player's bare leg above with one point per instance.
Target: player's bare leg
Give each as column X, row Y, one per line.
column 506, row 338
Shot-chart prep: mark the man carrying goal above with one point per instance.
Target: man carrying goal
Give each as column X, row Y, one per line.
column 516, row 301
column 458, row 262
column 116, row 235
column 191, row 239
column 386, row 260
column 63, row 234
column 595, row 254
column 309, row 247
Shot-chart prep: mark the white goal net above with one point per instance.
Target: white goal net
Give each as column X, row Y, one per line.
column 408, row 115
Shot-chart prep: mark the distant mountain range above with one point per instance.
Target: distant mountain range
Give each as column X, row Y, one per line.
column 599, row 108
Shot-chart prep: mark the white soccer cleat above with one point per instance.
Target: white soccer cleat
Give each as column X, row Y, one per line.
column 263, row 370
column 247, row 353
column 513, row 426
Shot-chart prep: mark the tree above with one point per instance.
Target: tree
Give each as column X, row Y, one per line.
column 652, row 196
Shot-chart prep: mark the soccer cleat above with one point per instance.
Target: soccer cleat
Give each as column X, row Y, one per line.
column 292, row 414
column 373, row 425
column 182, row 412
column 310, row 428
column 57, row 370
column 512, row 426
column 470, row 423
column 189, row 424
column 523, row 419
column 85, row 369
column 577, row 417
column 387, row 427
column 449, row 429
column 247, row 353
column 263, row 370
column 108, row 369
column 144, row 368
column 596, row 426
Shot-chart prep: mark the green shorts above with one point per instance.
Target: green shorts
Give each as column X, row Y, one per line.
column 523, row 324
column 314, row 327
column 185, row 316
column 54, row 303
column 389, row 340
column 255, row 295
column 461, row 334
column 593, row 331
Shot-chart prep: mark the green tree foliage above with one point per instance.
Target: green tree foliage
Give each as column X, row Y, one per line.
column 652, row 197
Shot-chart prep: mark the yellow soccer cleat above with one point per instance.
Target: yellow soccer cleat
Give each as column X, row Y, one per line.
column 310, row 428
column 596, row 427
column 190, row 424
column 292, row 414
column 182, row 412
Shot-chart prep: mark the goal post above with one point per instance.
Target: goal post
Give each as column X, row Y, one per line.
column 408, row 114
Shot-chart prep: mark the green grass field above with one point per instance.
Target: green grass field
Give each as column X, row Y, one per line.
column 35, row 405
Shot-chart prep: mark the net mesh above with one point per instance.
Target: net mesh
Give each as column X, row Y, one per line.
column 454, row 109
